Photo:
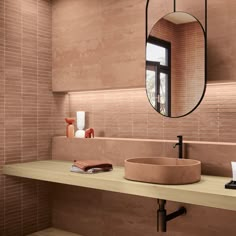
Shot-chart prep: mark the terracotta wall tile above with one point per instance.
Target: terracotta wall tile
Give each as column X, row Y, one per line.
column 26, row 104
column 121, row 214
column 12, row 207
column 43, row 205
column 29, row 207
column 211, row 121
column 25, row 110
column 195, row 8
column 156, row 10
column 60, row 112
column 221, row 62
column 96, row 59
column 99, row 62
column 114, row 150
column 85, row 225
column 2, row 194
column 1, row 115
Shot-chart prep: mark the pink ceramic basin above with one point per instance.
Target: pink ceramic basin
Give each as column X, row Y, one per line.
column 163, row 170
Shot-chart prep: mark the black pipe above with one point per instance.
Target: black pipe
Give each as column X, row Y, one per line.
column 181, row 211
column 161, row 221
column 163, row 218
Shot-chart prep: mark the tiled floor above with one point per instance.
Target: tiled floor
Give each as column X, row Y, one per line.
column 53, row 232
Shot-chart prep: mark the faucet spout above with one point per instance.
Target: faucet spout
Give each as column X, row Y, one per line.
column 176, row 144
column 180, row 144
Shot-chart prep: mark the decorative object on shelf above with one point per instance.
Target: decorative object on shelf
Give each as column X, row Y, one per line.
column 91, row 166
column 70, row 129
column 176, row 61
column 80, row 133
column 89, row 133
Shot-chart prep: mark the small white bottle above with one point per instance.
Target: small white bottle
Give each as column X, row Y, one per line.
column 80, row 133
column 233, row 163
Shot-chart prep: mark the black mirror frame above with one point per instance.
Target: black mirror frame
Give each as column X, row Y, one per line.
column 205, row 56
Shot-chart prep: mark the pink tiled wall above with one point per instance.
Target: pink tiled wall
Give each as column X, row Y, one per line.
column 25, row 111
column 26, row 105
column 127, row 113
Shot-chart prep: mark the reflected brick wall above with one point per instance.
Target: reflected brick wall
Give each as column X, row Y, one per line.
column 187, row 63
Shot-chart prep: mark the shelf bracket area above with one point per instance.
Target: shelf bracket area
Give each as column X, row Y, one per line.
column 163, row 218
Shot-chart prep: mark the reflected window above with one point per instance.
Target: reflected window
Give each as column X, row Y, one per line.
column 158, row 82
column 151, row 85
column 157, row 54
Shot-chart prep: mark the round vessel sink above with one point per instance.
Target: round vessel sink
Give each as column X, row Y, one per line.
column 163, row 170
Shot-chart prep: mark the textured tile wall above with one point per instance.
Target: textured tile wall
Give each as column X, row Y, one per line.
column 101, row 44
column 25, row 111
column 134, row 117
column 120, row 214
column 127, row 113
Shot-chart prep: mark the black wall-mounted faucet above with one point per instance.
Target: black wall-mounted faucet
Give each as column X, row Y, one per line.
column 180, row 144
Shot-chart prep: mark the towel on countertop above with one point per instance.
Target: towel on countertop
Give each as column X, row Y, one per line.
column 91, row 166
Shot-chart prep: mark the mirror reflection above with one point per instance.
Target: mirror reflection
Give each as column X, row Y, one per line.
column 175, row 64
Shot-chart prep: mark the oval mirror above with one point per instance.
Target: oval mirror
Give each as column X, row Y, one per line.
column 175, row 64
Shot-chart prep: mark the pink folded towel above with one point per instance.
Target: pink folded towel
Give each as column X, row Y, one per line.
column 86, row 165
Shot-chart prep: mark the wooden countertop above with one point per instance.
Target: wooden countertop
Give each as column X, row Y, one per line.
column 209, row 191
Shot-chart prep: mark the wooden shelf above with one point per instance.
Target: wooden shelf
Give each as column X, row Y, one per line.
column 151, row 140
column 53, row 232
column 209, row 191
